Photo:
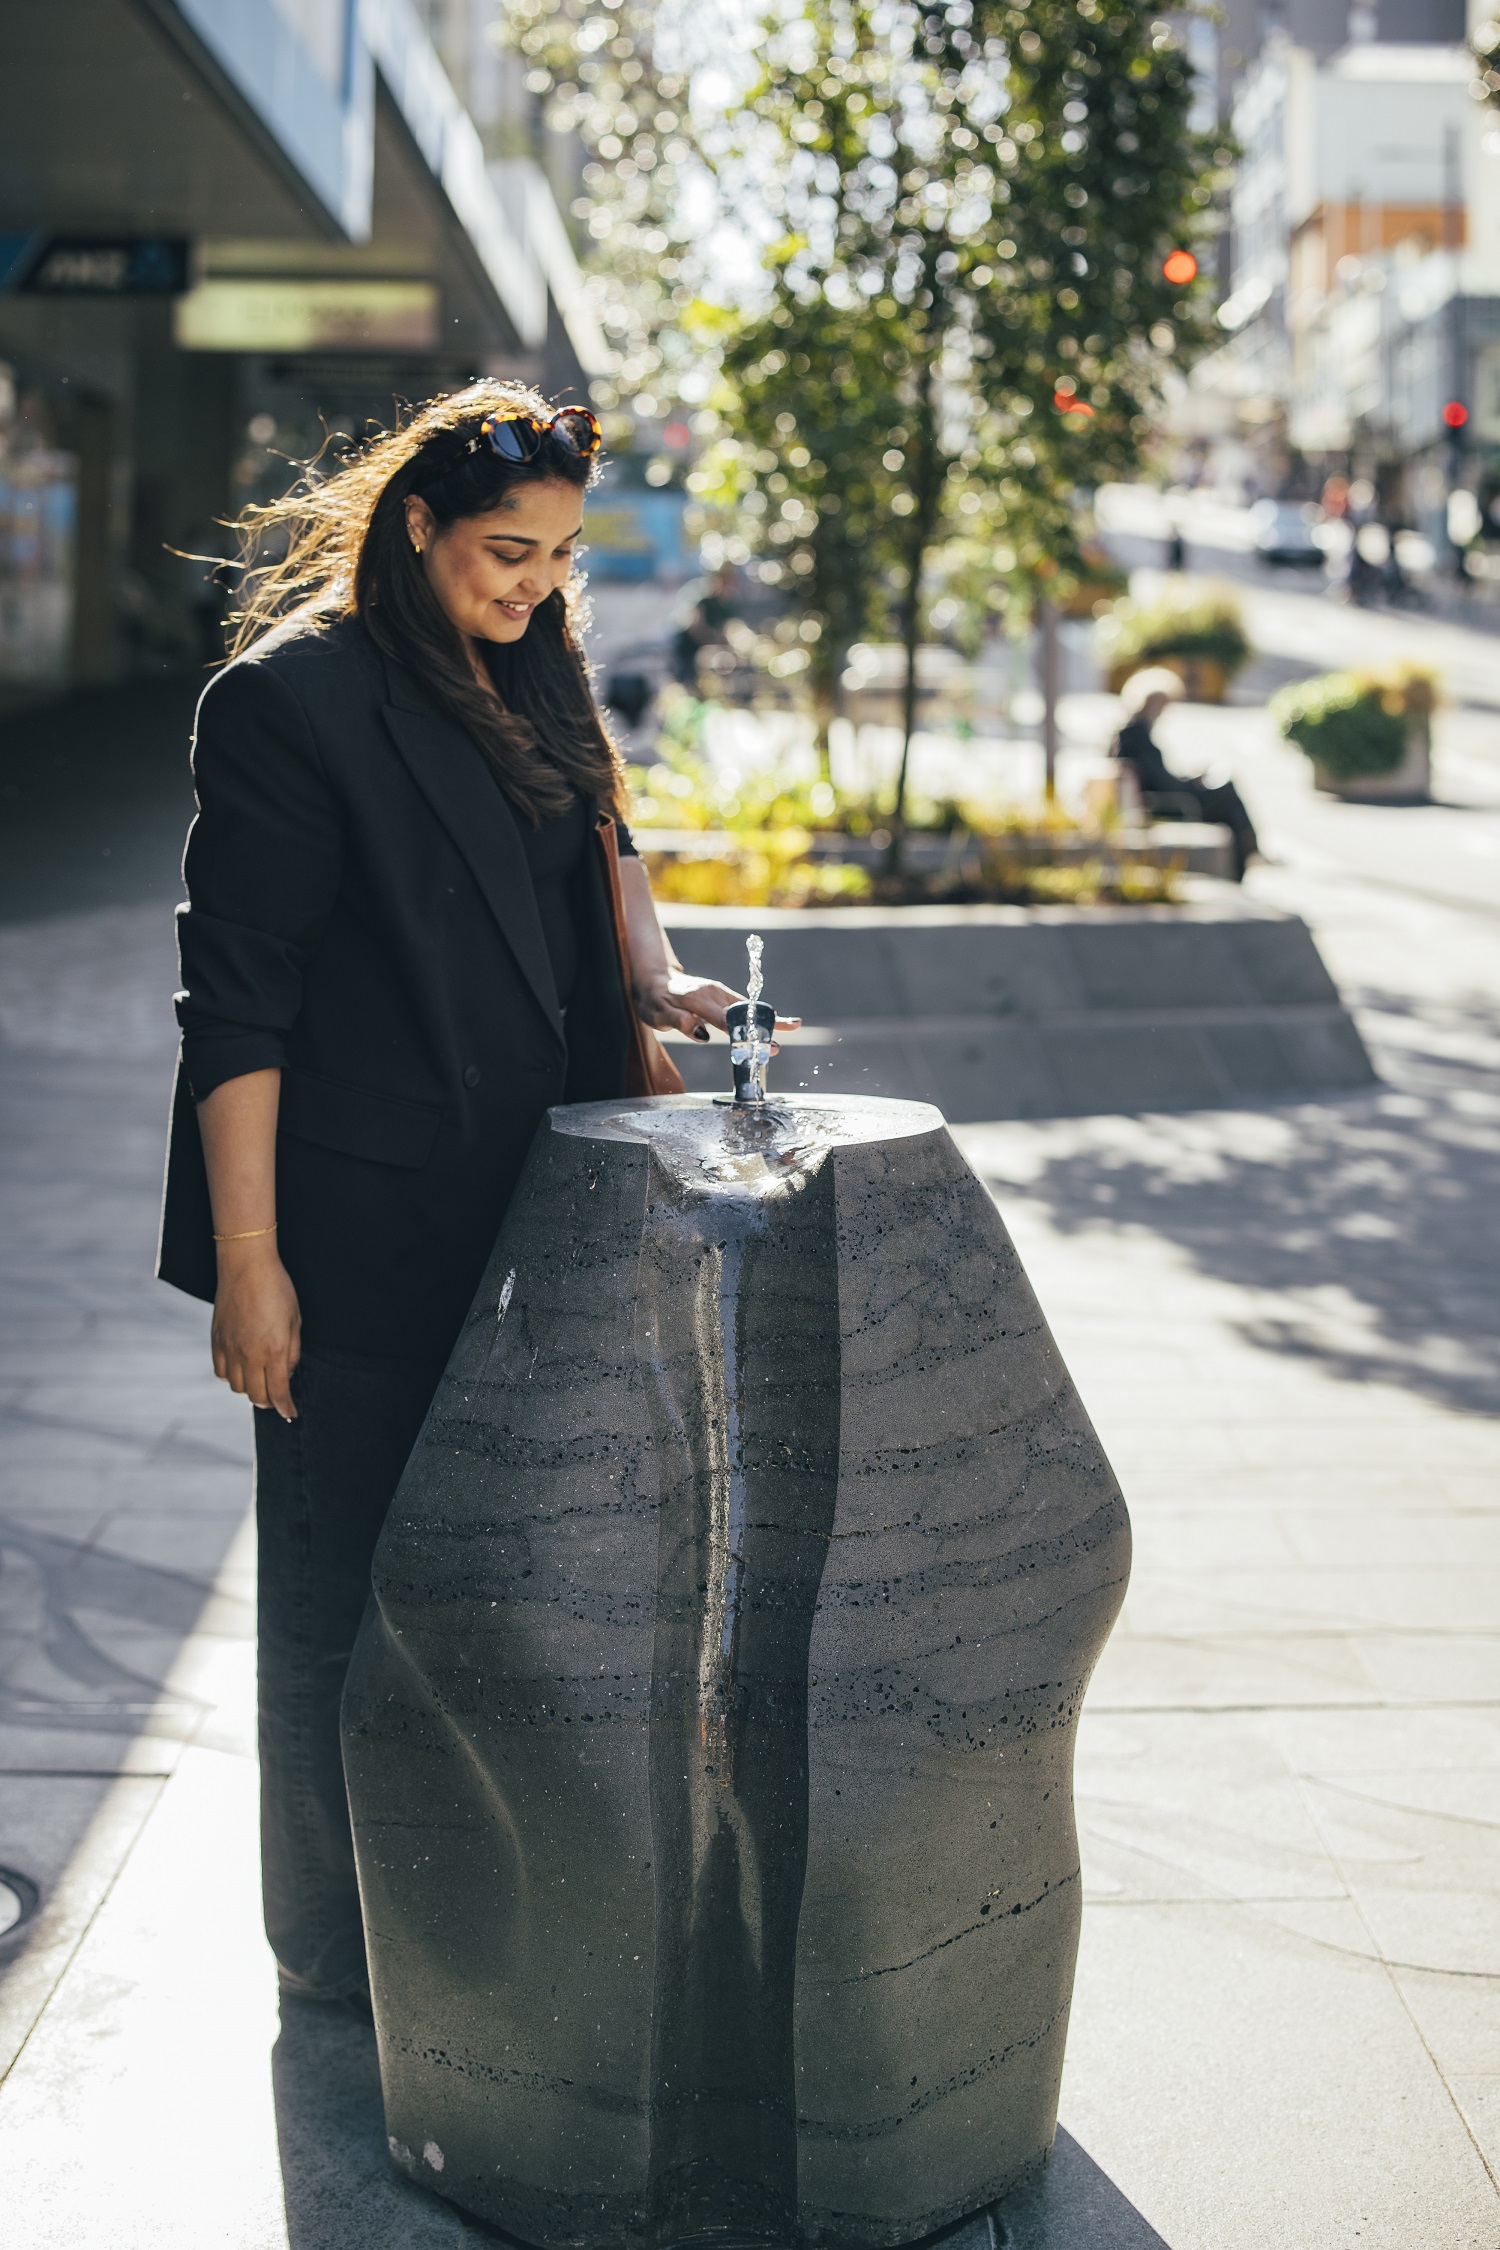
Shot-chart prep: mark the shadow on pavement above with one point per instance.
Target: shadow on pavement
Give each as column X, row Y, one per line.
column 339, row 2188
column 95, row 798
column 71, row 1617
column 1075, row 2206
column 1374, row 1221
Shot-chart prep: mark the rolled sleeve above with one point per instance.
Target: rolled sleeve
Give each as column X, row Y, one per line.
column 262, row 869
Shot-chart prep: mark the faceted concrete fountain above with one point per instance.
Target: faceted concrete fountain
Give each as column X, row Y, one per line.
column 710, row 1738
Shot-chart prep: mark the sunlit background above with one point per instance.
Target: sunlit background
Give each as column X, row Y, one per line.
column 958, row 364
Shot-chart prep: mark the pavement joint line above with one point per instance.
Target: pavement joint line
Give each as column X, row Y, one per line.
column 1355, row 1895
column 1098, row 1703
column 1231, row 1636
column 158, row 1708
column 82, row 1936
column 150, row 1443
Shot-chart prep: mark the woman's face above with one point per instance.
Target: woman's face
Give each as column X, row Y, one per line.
column 489, row 572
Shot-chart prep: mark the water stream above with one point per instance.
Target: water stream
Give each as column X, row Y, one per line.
column 739, row 1314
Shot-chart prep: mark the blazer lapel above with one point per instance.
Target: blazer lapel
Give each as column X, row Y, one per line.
column 450, row 771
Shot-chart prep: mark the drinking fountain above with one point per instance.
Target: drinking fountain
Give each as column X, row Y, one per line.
column 710, row 1736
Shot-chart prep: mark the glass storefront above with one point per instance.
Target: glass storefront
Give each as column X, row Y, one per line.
column 38, row 532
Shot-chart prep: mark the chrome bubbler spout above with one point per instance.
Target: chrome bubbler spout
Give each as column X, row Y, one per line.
column 752, row 1025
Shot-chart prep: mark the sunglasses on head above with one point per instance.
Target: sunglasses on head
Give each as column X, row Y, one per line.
column 519, row 437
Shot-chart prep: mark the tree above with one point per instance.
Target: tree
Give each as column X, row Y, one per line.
column 976, row 206
column 594, row 69
column 801, row 468
column 966, row 212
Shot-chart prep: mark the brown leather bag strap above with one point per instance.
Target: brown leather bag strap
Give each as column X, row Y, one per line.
column 648, row 1067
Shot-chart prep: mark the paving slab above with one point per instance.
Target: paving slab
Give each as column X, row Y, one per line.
column 69, row 1834
column 1243, row 2083
column 1286, row 2027
column 123, row 1475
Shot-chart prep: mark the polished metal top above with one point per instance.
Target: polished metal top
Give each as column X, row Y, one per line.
column 752, row 1025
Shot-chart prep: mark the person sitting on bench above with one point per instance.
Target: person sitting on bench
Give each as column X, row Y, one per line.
column 1170, row 796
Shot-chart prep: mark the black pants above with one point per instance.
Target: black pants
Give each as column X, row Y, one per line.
column 322, row 1487
column 1226, row 807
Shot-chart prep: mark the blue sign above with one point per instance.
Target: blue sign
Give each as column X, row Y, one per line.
column 94, row 265
column 633, row 534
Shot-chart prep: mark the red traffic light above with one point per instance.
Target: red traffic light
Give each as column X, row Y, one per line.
column 1180, row 267
column 1455, row 414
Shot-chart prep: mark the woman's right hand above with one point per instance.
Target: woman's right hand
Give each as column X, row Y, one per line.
column 257, row 1328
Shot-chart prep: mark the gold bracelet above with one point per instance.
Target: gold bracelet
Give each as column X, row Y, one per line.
column 249, row 1234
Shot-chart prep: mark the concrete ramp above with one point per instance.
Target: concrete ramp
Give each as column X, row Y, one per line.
column 1008, row 1011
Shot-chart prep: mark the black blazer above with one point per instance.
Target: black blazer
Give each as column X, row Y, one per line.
column 360, row 914
column 1135, row 745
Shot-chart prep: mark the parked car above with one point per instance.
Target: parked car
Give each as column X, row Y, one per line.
column 1282, row 531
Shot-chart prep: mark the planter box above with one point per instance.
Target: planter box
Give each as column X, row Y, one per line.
column 1048, row 1011
column 1409, row 784
column 1198, row 847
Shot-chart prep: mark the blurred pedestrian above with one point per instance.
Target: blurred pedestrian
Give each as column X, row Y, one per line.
column 1172, row 796
column 709, row 607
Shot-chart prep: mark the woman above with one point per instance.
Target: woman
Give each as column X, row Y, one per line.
column 402, row 941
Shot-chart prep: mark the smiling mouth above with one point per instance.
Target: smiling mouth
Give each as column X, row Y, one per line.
column 516, row 609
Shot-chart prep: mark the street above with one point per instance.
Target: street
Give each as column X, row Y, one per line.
column 1285, row 1324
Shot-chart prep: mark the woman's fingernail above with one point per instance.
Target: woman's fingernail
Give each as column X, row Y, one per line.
column 700, row 1031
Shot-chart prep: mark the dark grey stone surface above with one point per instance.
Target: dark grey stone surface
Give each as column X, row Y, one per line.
column 710, row 1740
column 1007, row 1011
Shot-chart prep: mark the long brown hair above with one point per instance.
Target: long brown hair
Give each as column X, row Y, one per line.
column 336, row 546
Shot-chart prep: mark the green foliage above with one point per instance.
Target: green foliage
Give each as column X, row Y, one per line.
column 1122, row 880
column 965, row 209
column 1348, row 723
column 1187, row 618
column 682, row 788
column 772, row 813
column 1105, row 178
column 968, row 319
column 772, row 868
column 973, row 206
column 593, row 71
column 760, row 840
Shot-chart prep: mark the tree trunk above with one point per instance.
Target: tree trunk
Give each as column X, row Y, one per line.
column 825, row 703
column 1046, row 620
column 911, row 619
column 925, row 487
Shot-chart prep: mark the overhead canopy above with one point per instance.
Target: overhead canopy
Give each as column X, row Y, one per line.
column 261, row 132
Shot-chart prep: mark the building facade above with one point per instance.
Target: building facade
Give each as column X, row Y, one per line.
column 230, row 230
column 1363, row 306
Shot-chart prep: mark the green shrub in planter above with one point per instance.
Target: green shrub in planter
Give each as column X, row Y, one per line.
column 1347, row 723
column 1188, row 621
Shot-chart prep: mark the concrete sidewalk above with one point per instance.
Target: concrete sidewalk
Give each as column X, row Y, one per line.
column 1286, row 1323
